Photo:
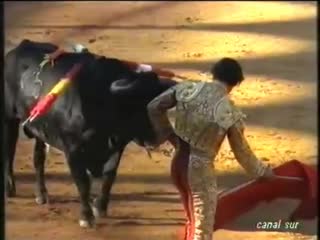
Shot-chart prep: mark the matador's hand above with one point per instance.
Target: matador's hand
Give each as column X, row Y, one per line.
column 268, row 174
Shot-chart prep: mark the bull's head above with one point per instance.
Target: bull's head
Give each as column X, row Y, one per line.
column 137, row 92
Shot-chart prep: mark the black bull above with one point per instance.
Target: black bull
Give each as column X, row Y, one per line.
column 92, row 122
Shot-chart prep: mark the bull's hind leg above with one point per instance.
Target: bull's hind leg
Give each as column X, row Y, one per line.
column 76, row 161
column 39, row 157
column 100, row 204
column 11, row 127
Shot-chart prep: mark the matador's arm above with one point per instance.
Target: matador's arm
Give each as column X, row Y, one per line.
column 244, row 154
column 230, row 118
column 157, row 110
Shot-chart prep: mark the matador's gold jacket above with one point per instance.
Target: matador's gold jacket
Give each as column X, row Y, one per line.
column 204, row 117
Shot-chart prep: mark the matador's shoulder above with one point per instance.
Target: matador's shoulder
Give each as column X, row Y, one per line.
column 187, row 90
column 226, row 113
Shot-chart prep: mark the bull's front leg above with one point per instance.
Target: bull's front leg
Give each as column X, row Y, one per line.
column 110, row 169
column 39, row 157
column 77, row 165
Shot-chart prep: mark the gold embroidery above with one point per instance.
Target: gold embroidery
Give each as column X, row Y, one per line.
column 195, row 117
column 186, row 91
column 226, row 114
column 204, row 193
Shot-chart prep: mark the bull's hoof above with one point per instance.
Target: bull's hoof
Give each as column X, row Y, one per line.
column 86, row 223
column 42, row 199
column 98, row 213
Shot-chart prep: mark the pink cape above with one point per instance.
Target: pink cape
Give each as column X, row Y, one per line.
column 240, row 200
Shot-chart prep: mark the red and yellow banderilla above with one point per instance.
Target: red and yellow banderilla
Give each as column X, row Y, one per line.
column 44, row 104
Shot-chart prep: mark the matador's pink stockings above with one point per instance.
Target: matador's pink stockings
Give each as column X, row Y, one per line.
column 179, row 174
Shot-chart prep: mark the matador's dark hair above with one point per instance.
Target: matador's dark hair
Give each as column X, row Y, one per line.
column 227, row 70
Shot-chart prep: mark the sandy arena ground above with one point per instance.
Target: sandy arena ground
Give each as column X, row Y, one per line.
column 274, row 41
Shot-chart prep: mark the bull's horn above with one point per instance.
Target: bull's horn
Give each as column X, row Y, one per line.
column 122, row 86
